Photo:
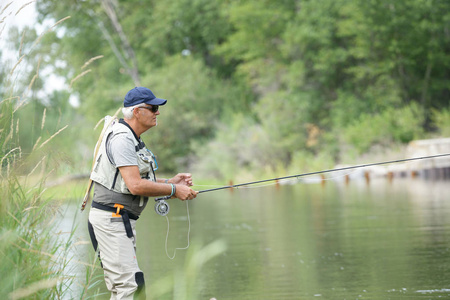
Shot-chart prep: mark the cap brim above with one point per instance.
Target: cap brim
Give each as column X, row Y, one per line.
column 156, row 101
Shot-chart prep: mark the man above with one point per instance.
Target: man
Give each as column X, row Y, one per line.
column 124, row 176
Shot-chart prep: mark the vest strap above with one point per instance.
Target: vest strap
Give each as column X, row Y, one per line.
column 115, row 178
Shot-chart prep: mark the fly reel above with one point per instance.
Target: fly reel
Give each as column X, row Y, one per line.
column 161, row 206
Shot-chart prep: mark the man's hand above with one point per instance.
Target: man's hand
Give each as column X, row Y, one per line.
column 184, row 192
column 182, row 182
column 182, row 179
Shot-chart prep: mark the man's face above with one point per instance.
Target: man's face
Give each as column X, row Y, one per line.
column 148, row 115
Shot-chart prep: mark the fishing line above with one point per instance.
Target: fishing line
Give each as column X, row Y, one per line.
column 289, row 180
column 337, row 176
column 168, row 229
column 318, row 172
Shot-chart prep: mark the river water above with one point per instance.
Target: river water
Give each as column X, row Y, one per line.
column 377, row 240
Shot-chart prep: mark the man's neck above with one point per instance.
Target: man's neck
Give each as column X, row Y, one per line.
column 135, row 127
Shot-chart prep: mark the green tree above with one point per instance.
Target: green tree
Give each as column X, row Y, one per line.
column 310, row 76
column 193, row 110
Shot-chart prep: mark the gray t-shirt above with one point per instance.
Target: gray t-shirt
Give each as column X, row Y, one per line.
column 121, row 151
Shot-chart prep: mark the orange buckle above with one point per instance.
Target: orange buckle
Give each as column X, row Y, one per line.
column 117, row 213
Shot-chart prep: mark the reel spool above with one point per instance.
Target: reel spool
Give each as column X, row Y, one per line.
column 162, row 207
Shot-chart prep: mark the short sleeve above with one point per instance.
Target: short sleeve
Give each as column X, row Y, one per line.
column 121, row 151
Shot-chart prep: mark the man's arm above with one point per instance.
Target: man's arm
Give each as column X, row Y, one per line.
column 143, row 187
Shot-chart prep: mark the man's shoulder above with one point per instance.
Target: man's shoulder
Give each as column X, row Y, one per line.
column 119, row 146
column 120, row 136
column 120, row 131
column 118, row 127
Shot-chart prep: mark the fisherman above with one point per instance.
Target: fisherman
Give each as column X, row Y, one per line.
column 124, row 177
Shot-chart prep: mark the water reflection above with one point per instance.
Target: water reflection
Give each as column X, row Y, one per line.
column 337, row 241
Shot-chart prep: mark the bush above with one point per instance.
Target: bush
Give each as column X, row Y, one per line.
column 391, row 126
column 441, row 119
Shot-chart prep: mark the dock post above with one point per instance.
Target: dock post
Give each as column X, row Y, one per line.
column 367, row 176
column 390, row 176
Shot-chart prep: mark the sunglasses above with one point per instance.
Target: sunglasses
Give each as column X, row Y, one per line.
column 153, row 108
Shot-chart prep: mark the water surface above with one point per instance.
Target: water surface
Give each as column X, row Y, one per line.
column 308, row 241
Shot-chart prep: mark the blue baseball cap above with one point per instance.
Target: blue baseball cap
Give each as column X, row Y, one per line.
column 140, row 95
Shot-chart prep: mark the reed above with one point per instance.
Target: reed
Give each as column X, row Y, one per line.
column 186, row 283
column 36, row 260
column 34, row 257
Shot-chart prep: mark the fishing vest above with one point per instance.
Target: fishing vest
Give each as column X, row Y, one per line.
column 111, row 188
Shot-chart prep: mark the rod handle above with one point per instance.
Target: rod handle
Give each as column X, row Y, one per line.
column 162, row 198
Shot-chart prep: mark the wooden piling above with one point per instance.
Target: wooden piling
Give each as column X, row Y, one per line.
column 230, row 183
column 390, row 176
column 322, row 182
column 367, row 176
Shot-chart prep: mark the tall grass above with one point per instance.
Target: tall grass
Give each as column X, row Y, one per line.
column 34, row 258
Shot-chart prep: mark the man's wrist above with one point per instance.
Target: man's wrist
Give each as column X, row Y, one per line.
column 174, row 190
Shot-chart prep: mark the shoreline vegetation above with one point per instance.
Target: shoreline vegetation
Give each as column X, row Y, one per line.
column 34, row 256
column 416, row 168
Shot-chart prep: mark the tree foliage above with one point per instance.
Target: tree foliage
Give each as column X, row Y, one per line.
column 300, row 77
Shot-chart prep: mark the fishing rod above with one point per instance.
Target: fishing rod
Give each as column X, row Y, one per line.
column 162, row 207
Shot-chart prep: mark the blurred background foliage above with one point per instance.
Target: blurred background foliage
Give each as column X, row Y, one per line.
column 254, row 86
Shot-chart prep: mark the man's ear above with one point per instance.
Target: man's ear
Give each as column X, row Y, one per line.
column 136, row 112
